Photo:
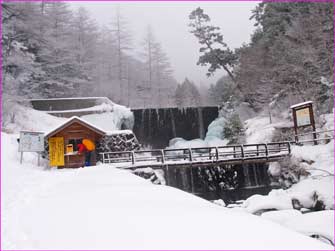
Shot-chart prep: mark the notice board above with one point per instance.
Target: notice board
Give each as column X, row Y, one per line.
column 31, row 141
column 303, row 117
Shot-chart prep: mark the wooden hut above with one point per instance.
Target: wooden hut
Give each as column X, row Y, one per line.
column 63, row 143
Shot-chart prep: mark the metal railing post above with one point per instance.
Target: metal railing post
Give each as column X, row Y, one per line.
column 266, row 151
column 163, row 156
column 217, row 153
column 289, row 147
column 257, row 150
column 103, row 158
column 190, row 155
column 242, row 151
column 132, row 157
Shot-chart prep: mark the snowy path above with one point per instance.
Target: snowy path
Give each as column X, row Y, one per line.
column 106, row 208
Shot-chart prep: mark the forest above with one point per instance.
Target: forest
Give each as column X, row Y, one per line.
column 50, row 50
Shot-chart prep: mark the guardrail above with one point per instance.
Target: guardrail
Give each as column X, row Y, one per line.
column 198, row 154
column 315, row 137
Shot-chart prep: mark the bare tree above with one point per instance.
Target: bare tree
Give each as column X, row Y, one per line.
column 122, row 39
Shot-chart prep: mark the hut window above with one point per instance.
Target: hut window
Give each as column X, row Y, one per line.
column 75, row 143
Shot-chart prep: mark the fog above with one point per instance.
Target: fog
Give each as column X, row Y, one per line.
column 169, row 21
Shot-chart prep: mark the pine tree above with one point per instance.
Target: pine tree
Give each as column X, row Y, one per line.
column 215, row 51
column 233, row 129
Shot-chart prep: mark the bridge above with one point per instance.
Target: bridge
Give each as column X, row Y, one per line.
column 200, row 156
column 186, row 168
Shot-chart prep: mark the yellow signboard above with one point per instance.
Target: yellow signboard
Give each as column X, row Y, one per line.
column 56, row 151
column 303, row 117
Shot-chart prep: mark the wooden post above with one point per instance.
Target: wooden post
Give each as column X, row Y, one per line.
column 313, row 124
column 295, row 126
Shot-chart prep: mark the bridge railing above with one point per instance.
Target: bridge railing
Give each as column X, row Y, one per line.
column 198, row 154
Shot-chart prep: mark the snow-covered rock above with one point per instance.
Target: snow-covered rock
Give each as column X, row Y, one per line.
column 319, row 224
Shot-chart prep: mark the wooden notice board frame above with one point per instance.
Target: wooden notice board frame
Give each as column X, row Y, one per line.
column 303, row 116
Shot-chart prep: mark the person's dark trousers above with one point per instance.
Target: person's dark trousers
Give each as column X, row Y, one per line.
column 87, row 158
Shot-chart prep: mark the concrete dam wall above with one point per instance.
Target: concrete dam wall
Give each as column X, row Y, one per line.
column 155, row 127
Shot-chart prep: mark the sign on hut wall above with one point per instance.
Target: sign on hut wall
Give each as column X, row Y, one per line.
column 56, row 151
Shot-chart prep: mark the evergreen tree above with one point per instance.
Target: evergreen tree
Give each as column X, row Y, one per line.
column 233, row 129
column 215, row 51
column 290, row 54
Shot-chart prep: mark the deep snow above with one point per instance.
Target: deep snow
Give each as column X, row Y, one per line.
column 101, row 207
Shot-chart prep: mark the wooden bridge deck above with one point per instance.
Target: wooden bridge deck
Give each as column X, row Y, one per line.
column 201, row 156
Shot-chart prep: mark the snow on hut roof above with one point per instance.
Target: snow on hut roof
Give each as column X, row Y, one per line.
column 301, row 104
column 70, row 121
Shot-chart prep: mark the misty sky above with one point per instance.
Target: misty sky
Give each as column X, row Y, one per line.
column 169, row 21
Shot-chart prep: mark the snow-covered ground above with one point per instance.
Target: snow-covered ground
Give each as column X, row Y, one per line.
column 100, row 207
column 260, row 130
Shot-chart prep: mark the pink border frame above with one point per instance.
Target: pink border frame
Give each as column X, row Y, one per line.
column 4, row 1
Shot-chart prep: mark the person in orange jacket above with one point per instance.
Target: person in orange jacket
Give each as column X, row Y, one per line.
column 83, row 150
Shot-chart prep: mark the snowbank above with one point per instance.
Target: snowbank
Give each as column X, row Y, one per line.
column 258, row 202
column 313, row 223
column 307, row 192
column 320, row 157
column 259, row 129
column 101, row 207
